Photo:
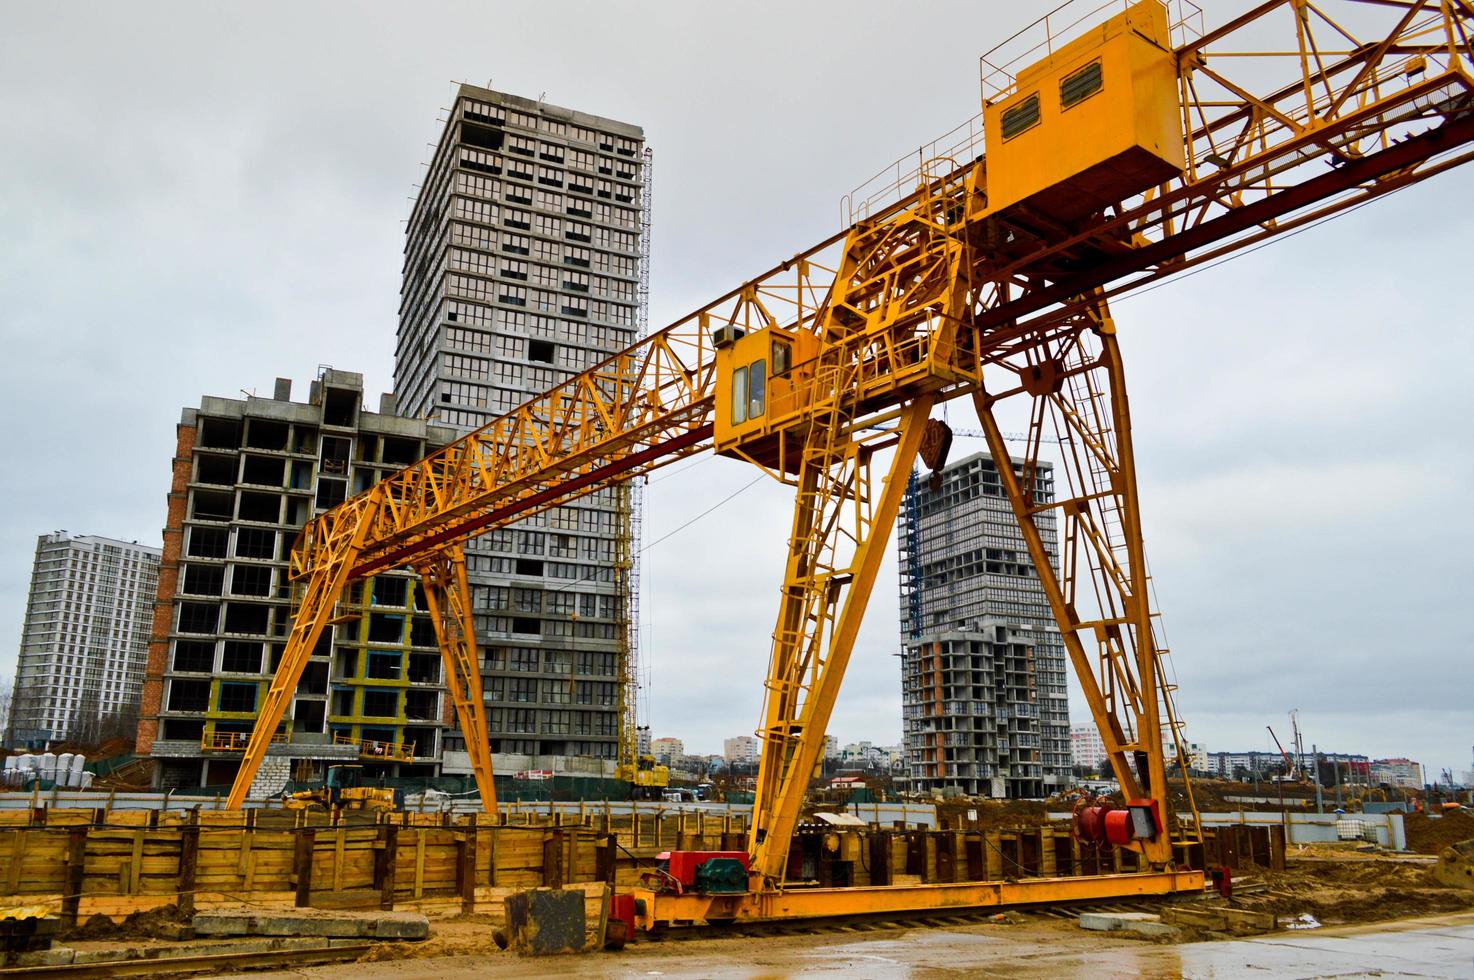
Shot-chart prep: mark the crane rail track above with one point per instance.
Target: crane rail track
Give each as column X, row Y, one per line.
column 205, row 963
column 880, row 921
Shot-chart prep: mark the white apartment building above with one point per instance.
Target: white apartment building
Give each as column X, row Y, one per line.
column 84, row 642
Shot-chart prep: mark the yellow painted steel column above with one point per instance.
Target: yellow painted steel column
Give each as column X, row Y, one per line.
column 332, row 562
column 448, row 595
column 769, row 840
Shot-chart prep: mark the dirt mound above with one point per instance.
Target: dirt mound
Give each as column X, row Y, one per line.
column 1430, row 835
column 163, row 922
column 992, row 814
column 1351, row 891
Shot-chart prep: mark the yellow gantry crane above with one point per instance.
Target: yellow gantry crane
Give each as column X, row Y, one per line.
column 1118, row 151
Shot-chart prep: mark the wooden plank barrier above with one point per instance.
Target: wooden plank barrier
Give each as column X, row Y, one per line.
column 115, row 862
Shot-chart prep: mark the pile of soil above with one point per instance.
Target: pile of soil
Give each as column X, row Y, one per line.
column 1213, row 795
column 1337, row 892
column 992, row 814
column 163, row 922
column 1430, row 835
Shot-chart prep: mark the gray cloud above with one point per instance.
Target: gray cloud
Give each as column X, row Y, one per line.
column 198, row 198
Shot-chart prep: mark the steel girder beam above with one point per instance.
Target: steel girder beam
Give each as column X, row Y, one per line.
column 662, row 910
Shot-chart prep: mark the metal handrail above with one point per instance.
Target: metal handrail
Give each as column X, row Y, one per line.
column 376, row 748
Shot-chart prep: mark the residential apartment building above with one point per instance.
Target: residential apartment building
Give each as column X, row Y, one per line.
column 523, row 266
column 1087, row 749
column 1245, row 765
column 984, row 702
column 667, row 751
column 247, row 474
column 742, row 749
column 1403, row 773
column 84, row 639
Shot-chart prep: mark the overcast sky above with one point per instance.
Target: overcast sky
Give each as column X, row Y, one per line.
column 197, row 198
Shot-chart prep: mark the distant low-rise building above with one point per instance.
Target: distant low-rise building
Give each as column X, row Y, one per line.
column 1244, row 765
column 742, row 749
column 1404, row 773
column 667, row 751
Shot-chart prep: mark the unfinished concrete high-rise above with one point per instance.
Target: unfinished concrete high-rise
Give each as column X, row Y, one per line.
column 247, row 474
column 984, row 702
column 524, row 264
column 84, row 640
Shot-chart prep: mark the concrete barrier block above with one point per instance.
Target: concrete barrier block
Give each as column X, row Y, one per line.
column 1113, row 921
column 55, row 956
column 327, row 925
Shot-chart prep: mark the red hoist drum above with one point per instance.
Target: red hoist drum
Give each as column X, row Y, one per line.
column 1118, row 827
column 1090, row 824
column 1098, row 822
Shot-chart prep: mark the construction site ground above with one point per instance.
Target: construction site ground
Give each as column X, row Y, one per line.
column 1034, row 947
column 1352, row 897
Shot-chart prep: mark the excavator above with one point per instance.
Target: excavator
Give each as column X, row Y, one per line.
column 1117, row 147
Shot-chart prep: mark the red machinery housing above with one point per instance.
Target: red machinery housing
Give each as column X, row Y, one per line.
column 702, row 871
column 1101, row 822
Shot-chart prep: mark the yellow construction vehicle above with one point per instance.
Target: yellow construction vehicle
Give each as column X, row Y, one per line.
column 343, row 789
column 647, row 780
column 1118, row 153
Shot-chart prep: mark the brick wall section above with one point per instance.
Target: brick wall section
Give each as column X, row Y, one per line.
column 158, row 645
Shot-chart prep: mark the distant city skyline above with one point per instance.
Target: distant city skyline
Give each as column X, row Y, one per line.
column 232, row 233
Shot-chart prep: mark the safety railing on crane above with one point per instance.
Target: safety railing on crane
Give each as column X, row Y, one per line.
column 962, row 145
column 999, row 66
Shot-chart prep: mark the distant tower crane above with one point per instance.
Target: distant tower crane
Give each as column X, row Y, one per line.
column 1119, row 153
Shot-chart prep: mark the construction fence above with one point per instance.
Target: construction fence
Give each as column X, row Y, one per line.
column 83, row 862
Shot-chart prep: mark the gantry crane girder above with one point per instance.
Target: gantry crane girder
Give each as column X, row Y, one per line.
column 964, row 280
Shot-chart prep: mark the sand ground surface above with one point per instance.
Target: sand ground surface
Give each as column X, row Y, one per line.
column 1434, row 946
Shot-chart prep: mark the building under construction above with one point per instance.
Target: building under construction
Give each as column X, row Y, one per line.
column 248, row 473
column 984, row 703
column 523, row 266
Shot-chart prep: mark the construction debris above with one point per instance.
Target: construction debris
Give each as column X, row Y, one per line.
column 1455, row 866
column 1138, row 923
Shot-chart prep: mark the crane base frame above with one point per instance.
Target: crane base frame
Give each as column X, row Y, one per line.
column 662, row 910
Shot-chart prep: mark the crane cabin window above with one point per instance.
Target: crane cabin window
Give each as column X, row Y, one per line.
column 739, row 396
column 749, row 391
column 757, row 388
column 782, row 357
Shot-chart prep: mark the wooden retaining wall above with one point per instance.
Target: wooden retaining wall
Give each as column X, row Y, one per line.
column 84, row 862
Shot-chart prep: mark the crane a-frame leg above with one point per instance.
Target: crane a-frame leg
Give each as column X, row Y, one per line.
column 443, row 576
column 838, row 542
column 1077, row 388
column 333, row 552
